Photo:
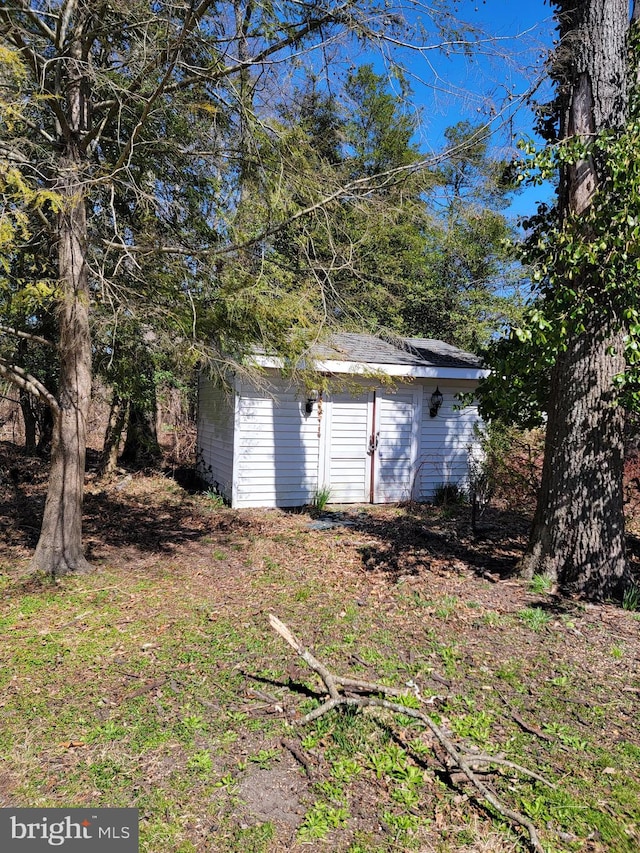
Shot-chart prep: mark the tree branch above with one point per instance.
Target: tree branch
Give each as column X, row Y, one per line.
column 459, row 761
column 66, row 12
column 38, row 64
column 206, row 74
column 170, row 55
column 13, row 156
column 32, row 15
column 27, row 382
column 9, row 330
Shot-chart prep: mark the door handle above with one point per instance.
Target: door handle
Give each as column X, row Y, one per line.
column 373, row 442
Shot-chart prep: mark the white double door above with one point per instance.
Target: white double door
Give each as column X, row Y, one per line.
column 372, row 445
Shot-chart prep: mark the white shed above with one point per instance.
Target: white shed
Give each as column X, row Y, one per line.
column 373, row 436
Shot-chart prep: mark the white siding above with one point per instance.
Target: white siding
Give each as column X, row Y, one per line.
column 277, row 447
column 261, row 449
column 215, row 436
column 445, row 440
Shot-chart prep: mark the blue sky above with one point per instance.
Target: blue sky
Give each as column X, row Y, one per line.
column 488, row 85
column 491, row 86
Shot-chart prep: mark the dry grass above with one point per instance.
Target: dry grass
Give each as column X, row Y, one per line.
column 156, row 682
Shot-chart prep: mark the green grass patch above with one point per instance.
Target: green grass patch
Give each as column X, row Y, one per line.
column 158, row 684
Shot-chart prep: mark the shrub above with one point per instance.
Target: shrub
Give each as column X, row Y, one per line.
column 449, row 494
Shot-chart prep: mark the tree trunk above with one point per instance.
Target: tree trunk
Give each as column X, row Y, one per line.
column 59, row 547
column 112, row 436
column 141, row 448
column 46, row 432
column 578, row 531
column 30, row 423
column 27, row 403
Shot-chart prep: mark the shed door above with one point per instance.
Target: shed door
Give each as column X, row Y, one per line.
column 397, row 424
column 349, row 463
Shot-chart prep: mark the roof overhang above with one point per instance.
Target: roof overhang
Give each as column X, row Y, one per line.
column 354, row 368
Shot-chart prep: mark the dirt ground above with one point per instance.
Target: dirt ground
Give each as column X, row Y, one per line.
column 407, row 595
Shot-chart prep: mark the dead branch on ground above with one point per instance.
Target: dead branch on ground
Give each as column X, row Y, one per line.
column 463, row 763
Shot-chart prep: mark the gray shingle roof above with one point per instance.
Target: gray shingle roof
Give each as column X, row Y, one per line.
column 369, row 349
column 440, row 354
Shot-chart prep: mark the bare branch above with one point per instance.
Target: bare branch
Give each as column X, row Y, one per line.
column 480, row 758
column 27, row 382
column 66, row 13
column 33, row 16
column 190, row 22
column 37, row 62
column 9, row 330
column 260, row 58
column 9, row 153
column 38, row 129
column 170, row 55
column 458, row 760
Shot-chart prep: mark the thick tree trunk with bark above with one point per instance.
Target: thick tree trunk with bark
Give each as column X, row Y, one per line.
column 59, row 548
column 578, row 532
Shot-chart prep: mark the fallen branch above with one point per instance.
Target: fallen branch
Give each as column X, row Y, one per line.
column 526, row 727
column 458, row 761
column 475, row 759
column 299, row 756
column 152, row 685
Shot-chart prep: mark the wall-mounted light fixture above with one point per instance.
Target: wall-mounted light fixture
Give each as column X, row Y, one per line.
column 435, row 402
column 312, row 397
